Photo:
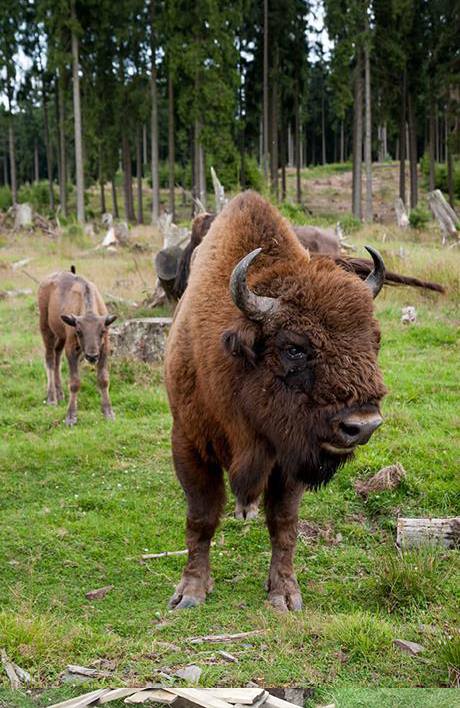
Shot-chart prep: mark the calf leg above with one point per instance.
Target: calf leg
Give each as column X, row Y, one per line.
column 49, row 340
column 204, row 489
column 103, row 382
column 282, row 500
column 74, row 386
column 58, row 347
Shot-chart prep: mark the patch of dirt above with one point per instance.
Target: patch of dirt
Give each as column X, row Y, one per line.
column 309, row 532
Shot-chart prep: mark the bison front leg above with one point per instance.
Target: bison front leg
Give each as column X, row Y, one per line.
column 204, row 489
column 74, row 386
column 282, row 500
column 103, row 383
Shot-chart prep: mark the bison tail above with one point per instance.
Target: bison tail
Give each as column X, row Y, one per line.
column 363, row 267
column 73, row 269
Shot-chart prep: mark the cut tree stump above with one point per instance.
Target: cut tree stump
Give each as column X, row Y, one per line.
column 401, row 214
column 413, row 533
column 143, row 339
column 446, row 217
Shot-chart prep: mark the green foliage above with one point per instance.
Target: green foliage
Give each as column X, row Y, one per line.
column 38, row 195
column 449, row 655
column 294, row 212
column 440, row 175
column 252, row 174
column 350, row 223
column 419, row 217
column 361, row 635
column 5, row 198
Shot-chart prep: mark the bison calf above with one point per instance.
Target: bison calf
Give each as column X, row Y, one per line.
column 73, row 317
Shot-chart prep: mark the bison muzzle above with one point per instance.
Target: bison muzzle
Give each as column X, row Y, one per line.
column 272, row 375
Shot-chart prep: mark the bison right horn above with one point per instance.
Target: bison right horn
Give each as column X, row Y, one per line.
column 376, row 279
column 255, row 307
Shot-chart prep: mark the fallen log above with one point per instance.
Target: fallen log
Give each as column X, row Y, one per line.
column 414, row 533
column 446, row 217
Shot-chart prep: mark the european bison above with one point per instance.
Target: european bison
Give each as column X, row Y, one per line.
column 73, row 317
column 272, row 374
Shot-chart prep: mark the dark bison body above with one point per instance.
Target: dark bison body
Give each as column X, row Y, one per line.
column 272, row 374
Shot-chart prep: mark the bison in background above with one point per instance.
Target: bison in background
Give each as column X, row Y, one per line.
column 272, row 375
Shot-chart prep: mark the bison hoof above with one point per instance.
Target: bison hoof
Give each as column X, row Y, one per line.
column 51, row 402
column 109, row 414
column 184, row 602
column 248, row 512
column 60, row 396
column 284, row 603
column 71, row 420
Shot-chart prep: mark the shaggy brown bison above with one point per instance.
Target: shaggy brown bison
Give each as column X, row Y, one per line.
column 73, row 317
column 272, row 374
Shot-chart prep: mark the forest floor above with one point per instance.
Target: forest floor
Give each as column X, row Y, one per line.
column 79, row 507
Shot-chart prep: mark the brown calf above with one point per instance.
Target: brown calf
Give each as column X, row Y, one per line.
column 73, row 317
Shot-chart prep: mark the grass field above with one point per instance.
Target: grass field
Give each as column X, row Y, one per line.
column 79, row 507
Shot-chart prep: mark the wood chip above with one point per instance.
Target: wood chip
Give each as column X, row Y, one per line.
column 225, row 637
column 10, row 672
column 153, row 695
column 115, row 695
column 227, row 656
column 242, row 696
column 99, row 593
column 410, row 647
column 82, row 701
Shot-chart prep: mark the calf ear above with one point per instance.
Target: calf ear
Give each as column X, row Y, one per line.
column 109, row 320
column 241, row 343
column 71, row 320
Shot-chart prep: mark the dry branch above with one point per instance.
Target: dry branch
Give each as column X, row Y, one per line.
column 225, row 637
column 10, row 672
column 163, row 554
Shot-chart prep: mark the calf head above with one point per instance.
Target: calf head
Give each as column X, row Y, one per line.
column 305, row 357
column 90, row 330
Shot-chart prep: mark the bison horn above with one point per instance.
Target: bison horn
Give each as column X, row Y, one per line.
column 255, row 307
column 376, row 279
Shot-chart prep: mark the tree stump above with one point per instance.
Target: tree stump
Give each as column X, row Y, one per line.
column 446, row 217
column 143, row 339
column 401, row 214
column 413, row 533
column 23, row 216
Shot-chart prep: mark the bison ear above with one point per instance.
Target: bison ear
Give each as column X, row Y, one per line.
column 241, row 343
column 110, row 319
column 71, row 320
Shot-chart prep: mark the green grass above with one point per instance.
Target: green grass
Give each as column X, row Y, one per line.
column 79, row 507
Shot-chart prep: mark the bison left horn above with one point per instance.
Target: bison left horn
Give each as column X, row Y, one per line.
column 255, row 307
column 376, row 279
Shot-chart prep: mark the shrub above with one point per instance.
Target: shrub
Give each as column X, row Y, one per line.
column 449, row 655
column 360, row 635
column 252, row 174
column 37, row 195
column 294, row 212
column 5, row 198
column 419, row 217
column 349, row 223
column 440, row 175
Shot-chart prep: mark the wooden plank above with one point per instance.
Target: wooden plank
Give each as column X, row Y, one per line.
column 200, row 697
column 116, row 694
column 243, row 696
column 151, row 695
column 82, row 701
column 274, row 702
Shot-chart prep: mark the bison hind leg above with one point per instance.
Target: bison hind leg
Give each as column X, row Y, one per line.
column 247, row 512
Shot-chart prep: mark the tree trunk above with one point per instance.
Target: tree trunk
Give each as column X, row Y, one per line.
column 154, row 127
column 36, row 163
column 290, row 147
column 323, row 131
column 101, row 187
column 357, row 137
column 283, row 161
column 49, row 154
column 62, row 143
column 127, row 177
column 274, row 130
column 145, row 160
column 450, row 172
column 412, row 152
column 298, row 184
column 77, row 123
column 171, row 147
column 342, row 143
column 402, row 141
column 432, row 139
column 114, row 197
column 266, row 157
column 140, row 215
column 13, row 180
column 368, row 135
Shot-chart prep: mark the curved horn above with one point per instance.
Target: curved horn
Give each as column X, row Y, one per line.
column 255, row 307
column 376, row 279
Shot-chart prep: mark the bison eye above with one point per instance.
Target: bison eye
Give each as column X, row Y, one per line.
column 294, row 352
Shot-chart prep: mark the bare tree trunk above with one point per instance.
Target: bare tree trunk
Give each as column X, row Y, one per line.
column 145, row 160
column 283, row 161
column 36, row 163
column 274, row 128
column 342, row 143
column 77, row 123
column 154, row 127
column 412, row 152
column 368, row 134
column 127, row 177
column 171, row 146
column 101, row 186
column 114, row 197
column 432, row 138
column 266, row 157
column 357, row 137
column 62, row 144
column 323, row 131
column 12, row 145
column 402, row 142
column 290, row 147
column 49, row 154
column 450, row 166
column 298, row 191
column 140, row 215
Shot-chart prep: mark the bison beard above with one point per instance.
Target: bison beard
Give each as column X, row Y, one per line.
column 271, row 372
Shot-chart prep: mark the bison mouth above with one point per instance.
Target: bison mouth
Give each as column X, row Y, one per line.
column 336, row 450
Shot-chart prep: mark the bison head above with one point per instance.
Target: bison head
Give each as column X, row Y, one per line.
column 308, row 348
column 90, row 330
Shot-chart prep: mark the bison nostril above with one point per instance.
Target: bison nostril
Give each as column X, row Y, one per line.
column 351, row 430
